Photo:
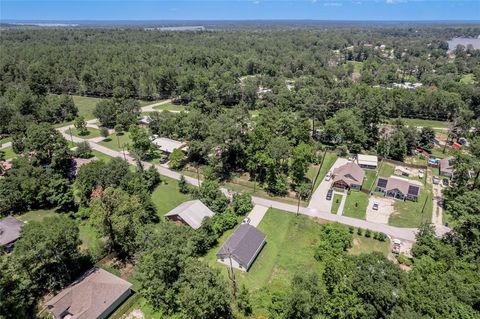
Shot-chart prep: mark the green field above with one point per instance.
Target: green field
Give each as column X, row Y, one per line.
column 356, row 205
column 92, row 133
column 423, row 123
column 291, row 243
column 369, row 181
column 166, row 196
column 37, row 215
column 9, row 153
column 5, row 140
column 169, row 107
column 85, row 105
column 409, row 213
column 364, row 245
column 328, row 162
column 115, row 142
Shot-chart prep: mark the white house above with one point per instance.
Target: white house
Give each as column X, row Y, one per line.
column 367, row 161
column 168, row 145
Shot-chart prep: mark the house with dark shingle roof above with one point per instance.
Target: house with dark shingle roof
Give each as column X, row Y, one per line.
column 10, row 229
column 93, row 296
column 241, row 249
column 398, row 188
column 348, row 176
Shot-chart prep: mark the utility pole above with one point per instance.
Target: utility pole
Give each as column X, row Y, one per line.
column 70, row 131
column 231, row 275
column 254, row 177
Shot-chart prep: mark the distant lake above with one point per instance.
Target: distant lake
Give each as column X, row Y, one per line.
column 452, row 44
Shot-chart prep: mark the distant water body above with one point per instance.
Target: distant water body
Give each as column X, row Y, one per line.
column 474, row 42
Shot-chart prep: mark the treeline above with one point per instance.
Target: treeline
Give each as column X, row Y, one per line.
column 208, row 66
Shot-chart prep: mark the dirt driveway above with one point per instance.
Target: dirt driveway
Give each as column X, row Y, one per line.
column 385, row 209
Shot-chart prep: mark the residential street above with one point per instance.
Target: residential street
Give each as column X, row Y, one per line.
column 319, row 207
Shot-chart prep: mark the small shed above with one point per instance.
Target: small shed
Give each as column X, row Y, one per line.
column 191, row 213
column 367, row 161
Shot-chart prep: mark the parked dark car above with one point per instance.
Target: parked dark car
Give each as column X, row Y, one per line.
column 329, row 194
column 445, row 182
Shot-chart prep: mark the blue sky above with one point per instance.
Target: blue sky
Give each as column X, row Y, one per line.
column 240, row 9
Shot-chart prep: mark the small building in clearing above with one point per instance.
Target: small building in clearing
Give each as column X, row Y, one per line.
column 446, row 166
column 10, row 229
column 168, row 145
column 95, row 295
column 348, row 176
column 367, row 161
column 191, row 213
column 241, row 249
column 398, row 188
column 402, row 171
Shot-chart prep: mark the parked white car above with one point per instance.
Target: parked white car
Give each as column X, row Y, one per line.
column 328, row 176
column 421, row 173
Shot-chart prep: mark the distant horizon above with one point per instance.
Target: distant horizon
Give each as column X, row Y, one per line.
column 242, row 10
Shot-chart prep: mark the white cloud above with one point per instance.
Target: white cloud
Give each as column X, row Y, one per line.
column 332, row 4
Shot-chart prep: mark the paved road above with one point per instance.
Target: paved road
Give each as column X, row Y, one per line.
column 150, row 108
column 315, row 211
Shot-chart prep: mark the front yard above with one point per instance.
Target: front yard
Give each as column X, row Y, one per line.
column 116, row 142
column 412, row 214
column 369, row 181
column 356, row 205
column 337, row 199
column 91, row 133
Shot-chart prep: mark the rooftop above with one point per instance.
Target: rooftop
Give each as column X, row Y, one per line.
column 243, row 245
column 10, row 229
column 167, row 145
column 90, row 296
column 367, row 159
column 351, row 173
column 192, row 212
column 402, row 184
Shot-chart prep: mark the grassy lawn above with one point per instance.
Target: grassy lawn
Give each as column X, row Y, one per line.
column 37, row 215
column 357, row 66
column 356, row 205
column 90, row 239
column 438, row 152
column 115, row 143
column 291, row 243
column 144, row 103
column 337, row 199
column 386, row 169
column 166, row 196
column 5, row 140
column 85, row 105
column 364, row 245
column 409, row 213
column 169, row 107
column 369, row 179
column 423, row 123
column 9, row 153
column 102, row 156
column 328, row 162
column 92, row 132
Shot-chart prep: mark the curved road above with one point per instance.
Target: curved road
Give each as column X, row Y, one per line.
column 407, row 234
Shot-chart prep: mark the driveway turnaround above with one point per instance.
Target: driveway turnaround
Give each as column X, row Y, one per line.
column 319, row 197
column 382, row 214
column 256, row 215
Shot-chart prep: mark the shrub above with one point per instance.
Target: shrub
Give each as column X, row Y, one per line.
column 242, row 204
column 83, row 150
column 360, row 232
column 183, row 187
column 351, row 229
column 335, row 239
column 368, row 233
column 404, row 260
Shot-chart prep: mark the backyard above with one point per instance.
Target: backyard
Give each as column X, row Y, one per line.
column 369, row 181
column 356, row 205
column 291, row 242
column 412, row 214
column 9, row 153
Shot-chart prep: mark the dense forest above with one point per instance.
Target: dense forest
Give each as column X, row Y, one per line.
column 312, row 89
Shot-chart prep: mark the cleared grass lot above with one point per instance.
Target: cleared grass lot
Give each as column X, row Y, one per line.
column 413, row 214
column 85, row 105
column 356, row 205
column 166, row 196
column 9, row 153
column 92, row 133
column 116, row 142
column 423, row 123
column 169, row 107
column 291, row 243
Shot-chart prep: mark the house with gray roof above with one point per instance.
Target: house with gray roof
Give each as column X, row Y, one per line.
column 398, row 188
column 241, row 249
column 10, row 229
column 191, row 213
column 95, row 295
